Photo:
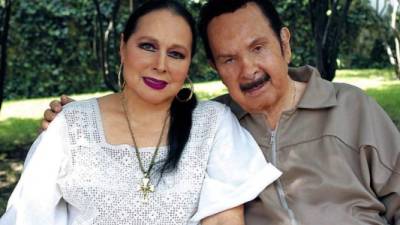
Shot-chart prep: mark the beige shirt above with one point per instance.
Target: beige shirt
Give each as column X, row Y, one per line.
column 340, row 157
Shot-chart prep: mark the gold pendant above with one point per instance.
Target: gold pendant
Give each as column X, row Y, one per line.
column 146, row 187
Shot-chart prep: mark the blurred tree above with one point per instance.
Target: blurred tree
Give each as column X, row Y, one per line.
column 388, row 14
column 328, row 22
column 5, row 15
column 199, row 69
column 72, row 46
column 295, row 15
column 361, row 46
column 107, row 39
column 105, row 31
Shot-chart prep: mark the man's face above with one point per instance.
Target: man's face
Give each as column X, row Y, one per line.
column 250, row 59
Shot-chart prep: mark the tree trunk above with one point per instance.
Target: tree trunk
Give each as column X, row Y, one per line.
column 103, row 47
column 328, row 22
column 3, row 42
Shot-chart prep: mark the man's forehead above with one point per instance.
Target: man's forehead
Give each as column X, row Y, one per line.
column 250, row 10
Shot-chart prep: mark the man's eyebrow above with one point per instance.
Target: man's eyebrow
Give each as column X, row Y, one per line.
column 259, row 41
column 224, row 55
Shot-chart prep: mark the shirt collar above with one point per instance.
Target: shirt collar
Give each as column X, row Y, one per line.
column 319, row 93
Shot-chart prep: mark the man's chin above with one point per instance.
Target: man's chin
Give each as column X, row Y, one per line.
column 251, row 105
column 253, row 109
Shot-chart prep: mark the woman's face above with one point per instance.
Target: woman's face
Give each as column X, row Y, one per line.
column 157, row 56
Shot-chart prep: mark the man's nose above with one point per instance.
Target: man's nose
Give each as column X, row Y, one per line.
column 249, row 68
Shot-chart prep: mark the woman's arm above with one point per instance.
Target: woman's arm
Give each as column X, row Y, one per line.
column 236, row 173
column 37, row 200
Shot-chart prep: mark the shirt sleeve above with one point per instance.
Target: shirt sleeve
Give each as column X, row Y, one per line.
column 36, row 200
column 380, row 161
column 236, row 172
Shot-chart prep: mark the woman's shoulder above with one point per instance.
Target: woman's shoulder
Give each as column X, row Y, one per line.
column 80, row 105
column 211, row 112
column 213, row 107
column 79, row 111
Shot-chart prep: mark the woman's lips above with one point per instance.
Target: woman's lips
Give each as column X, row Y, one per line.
column 154, row 83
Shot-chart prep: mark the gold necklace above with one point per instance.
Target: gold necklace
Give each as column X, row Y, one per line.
column 294, row 93
column 146, row 187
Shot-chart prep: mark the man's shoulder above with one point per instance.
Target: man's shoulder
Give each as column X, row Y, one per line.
column 224, row 99
column 347, row 93
column 228, row 101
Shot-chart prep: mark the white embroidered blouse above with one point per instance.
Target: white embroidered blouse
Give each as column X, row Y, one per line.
column 72, row 176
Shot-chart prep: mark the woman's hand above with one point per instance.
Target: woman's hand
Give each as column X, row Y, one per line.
column 234, row 216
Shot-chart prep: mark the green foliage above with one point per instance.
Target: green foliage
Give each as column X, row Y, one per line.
column 200, row 69
column 295, row 16
column 53, row 44
column 363, row 47
column 53, row 48
column 50, row 49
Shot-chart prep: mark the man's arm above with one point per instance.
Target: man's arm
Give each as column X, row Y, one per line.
column 234, row 216
column 55, row 108
column 382, row 160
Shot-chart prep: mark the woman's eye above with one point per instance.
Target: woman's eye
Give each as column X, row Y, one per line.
column 147, row 46
column 176, row 55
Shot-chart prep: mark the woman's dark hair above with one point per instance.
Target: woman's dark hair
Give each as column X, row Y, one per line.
column 214, row 8
column 155, row 5
column 180, row 112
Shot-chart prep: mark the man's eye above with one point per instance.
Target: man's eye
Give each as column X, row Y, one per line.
column 176, row 55
column 147, row 46
column 258, row 48
column 228, row 61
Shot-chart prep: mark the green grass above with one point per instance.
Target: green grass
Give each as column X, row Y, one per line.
column 19, row 120
column 34, row 108
column 17, row 134
column 388, row 96
column 10, row 171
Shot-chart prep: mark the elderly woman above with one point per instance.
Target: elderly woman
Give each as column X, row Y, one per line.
column 147, row 155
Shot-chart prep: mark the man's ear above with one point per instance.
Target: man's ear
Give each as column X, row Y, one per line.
column 285, row 44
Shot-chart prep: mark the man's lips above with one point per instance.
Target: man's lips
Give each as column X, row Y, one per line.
column 154, row 83
column 255, row 84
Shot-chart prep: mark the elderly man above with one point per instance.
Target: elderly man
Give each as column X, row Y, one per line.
column 338, row 150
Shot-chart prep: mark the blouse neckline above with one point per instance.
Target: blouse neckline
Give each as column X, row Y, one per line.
column 102, row 135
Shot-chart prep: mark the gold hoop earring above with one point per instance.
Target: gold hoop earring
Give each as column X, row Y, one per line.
column 121, row 80
column 191, row 88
